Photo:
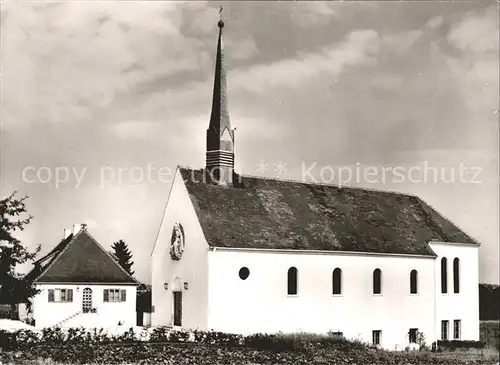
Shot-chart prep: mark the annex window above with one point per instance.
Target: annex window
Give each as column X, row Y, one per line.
column 337, row 281
column 444, row 330
column 456, row 275
column 376, row 337
column 444, row 275
column 457, row 329
column 377, row 281
column 61, row 295
column 413, row 335
column 292, row 281
column 115, row 295
column 413, row 282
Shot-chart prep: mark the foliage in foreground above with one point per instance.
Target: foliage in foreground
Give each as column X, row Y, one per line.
column 194, row 353
column 175, row 347
column 14, row 218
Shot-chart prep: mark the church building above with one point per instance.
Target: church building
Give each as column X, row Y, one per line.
column 243, row 254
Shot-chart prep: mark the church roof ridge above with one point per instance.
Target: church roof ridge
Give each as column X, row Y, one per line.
column 297, row 181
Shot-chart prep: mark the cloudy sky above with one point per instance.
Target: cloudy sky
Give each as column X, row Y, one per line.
column 104, row 94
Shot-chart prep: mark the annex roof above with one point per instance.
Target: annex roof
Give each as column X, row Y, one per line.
column 79, row 259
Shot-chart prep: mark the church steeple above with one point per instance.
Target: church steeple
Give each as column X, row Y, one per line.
column 220, row 135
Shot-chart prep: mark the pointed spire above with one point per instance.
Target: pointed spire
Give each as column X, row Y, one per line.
column 220, row 135
column 219, row 119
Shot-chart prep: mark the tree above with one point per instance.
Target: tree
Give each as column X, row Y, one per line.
column 14, row 288
column 123, row 256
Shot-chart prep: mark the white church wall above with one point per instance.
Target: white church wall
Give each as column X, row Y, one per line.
column 190, row 269
column 261, row 304
column 463, row 306
column 108, row 314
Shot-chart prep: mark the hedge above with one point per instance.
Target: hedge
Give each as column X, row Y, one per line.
column 281, row 342
column 163, row 345
column 456, row 344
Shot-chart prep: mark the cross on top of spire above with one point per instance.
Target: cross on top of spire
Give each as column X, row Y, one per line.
column 221, row 22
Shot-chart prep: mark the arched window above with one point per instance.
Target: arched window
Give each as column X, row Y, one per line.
column 444, row 275
column 456, row 275
column 292, row 281
column 377, row 281
column 337, row 281
column 413, row 282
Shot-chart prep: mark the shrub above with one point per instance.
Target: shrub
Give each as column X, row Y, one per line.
column 97, row 336
column 421, row 341
column 220, row 339
column 76, row 335
column 456, row 344
column 159, row 334
column 126, row 337
column 264, row 341
column 178, row 336
column 27, row 337
column 53, row 336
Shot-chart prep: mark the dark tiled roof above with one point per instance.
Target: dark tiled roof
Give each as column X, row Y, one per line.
column 79, row 259
column 277, row 214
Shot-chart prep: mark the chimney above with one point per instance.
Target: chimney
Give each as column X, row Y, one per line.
column 76, row 228
column 67, row 232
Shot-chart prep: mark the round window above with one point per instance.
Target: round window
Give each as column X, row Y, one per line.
column 244, row 272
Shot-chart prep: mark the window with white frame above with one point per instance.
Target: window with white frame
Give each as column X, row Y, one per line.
column 456, row 275
column 377, row 281
column 376, row 337
column 413, row 282
column 292, row 281
column 115, row 295
column 444, row 330
column 444, row 275
column 457, row 324
column 60, row 295
column 337, row 281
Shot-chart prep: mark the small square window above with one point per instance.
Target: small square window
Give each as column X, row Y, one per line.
column 114, row 295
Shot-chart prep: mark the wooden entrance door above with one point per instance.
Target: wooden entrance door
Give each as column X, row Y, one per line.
column 177, row 308
column 86, row 300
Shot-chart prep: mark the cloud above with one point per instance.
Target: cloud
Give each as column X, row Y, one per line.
column 312, row 13
column 242, row 49
column 135, row 129
column 435, row 22
column 387, row 81
column 358, row 48
column 476, row 70
column 64, row 62
column 477, row 33
column 401, row 42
